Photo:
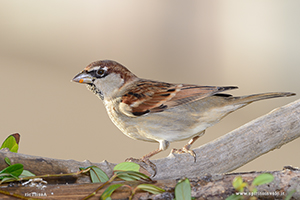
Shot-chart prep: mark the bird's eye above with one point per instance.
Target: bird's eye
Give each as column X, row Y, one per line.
column 101, row 72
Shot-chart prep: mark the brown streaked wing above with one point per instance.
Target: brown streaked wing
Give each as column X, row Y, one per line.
column 151, row 96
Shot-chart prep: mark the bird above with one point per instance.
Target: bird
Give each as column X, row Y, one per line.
column 161, row 112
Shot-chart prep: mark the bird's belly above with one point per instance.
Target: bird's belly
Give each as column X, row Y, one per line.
column 160, row 126
column 171, row 124
column 172, row 129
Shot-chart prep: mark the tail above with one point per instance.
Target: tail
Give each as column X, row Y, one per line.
column 256, row 97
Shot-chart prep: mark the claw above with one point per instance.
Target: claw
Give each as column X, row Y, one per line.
column 145, row 161
column 184, row 150
column 152, row 165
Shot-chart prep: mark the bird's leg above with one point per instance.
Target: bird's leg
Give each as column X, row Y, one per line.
column 186, row 148
column 149, row 155
column 163, row 145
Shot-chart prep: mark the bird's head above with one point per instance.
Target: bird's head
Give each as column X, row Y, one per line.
column 105, row 78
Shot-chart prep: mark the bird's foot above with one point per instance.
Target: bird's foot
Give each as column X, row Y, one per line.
column 184, row 150
column 144, row 160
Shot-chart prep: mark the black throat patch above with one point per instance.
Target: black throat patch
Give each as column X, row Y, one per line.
column 95, row 90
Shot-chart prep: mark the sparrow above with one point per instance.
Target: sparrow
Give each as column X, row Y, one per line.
column 161, row 112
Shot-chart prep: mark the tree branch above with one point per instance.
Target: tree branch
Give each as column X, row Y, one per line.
column 222, row 155
column 213, row 186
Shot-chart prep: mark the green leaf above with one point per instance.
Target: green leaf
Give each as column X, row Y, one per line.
column 107, row 193
column 263, row 179
column 11, row 173
column 11, row 144
column 150, row 188
column 132, row 175
column 235, row 197
column 26, row 173
column 7, row 160
column 127, row 166
column 14, row 170
column 183, row 190
column 239, row 184
column 290, row 194
column 9, row 179
column 2, row 175
column 98, row 175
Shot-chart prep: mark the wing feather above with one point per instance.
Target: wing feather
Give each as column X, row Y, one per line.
column 151, row 96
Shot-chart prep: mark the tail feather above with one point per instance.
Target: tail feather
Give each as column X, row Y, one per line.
column 256, row 97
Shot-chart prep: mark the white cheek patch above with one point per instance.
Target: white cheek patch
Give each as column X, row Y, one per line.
column 109, row 85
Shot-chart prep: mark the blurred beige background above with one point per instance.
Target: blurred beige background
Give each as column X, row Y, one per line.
column 44, row 44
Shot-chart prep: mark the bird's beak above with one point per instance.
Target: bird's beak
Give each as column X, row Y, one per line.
column 83, row 77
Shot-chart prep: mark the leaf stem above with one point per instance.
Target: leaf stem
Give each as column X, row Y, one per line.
column 100, row 187
column 54, row 175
